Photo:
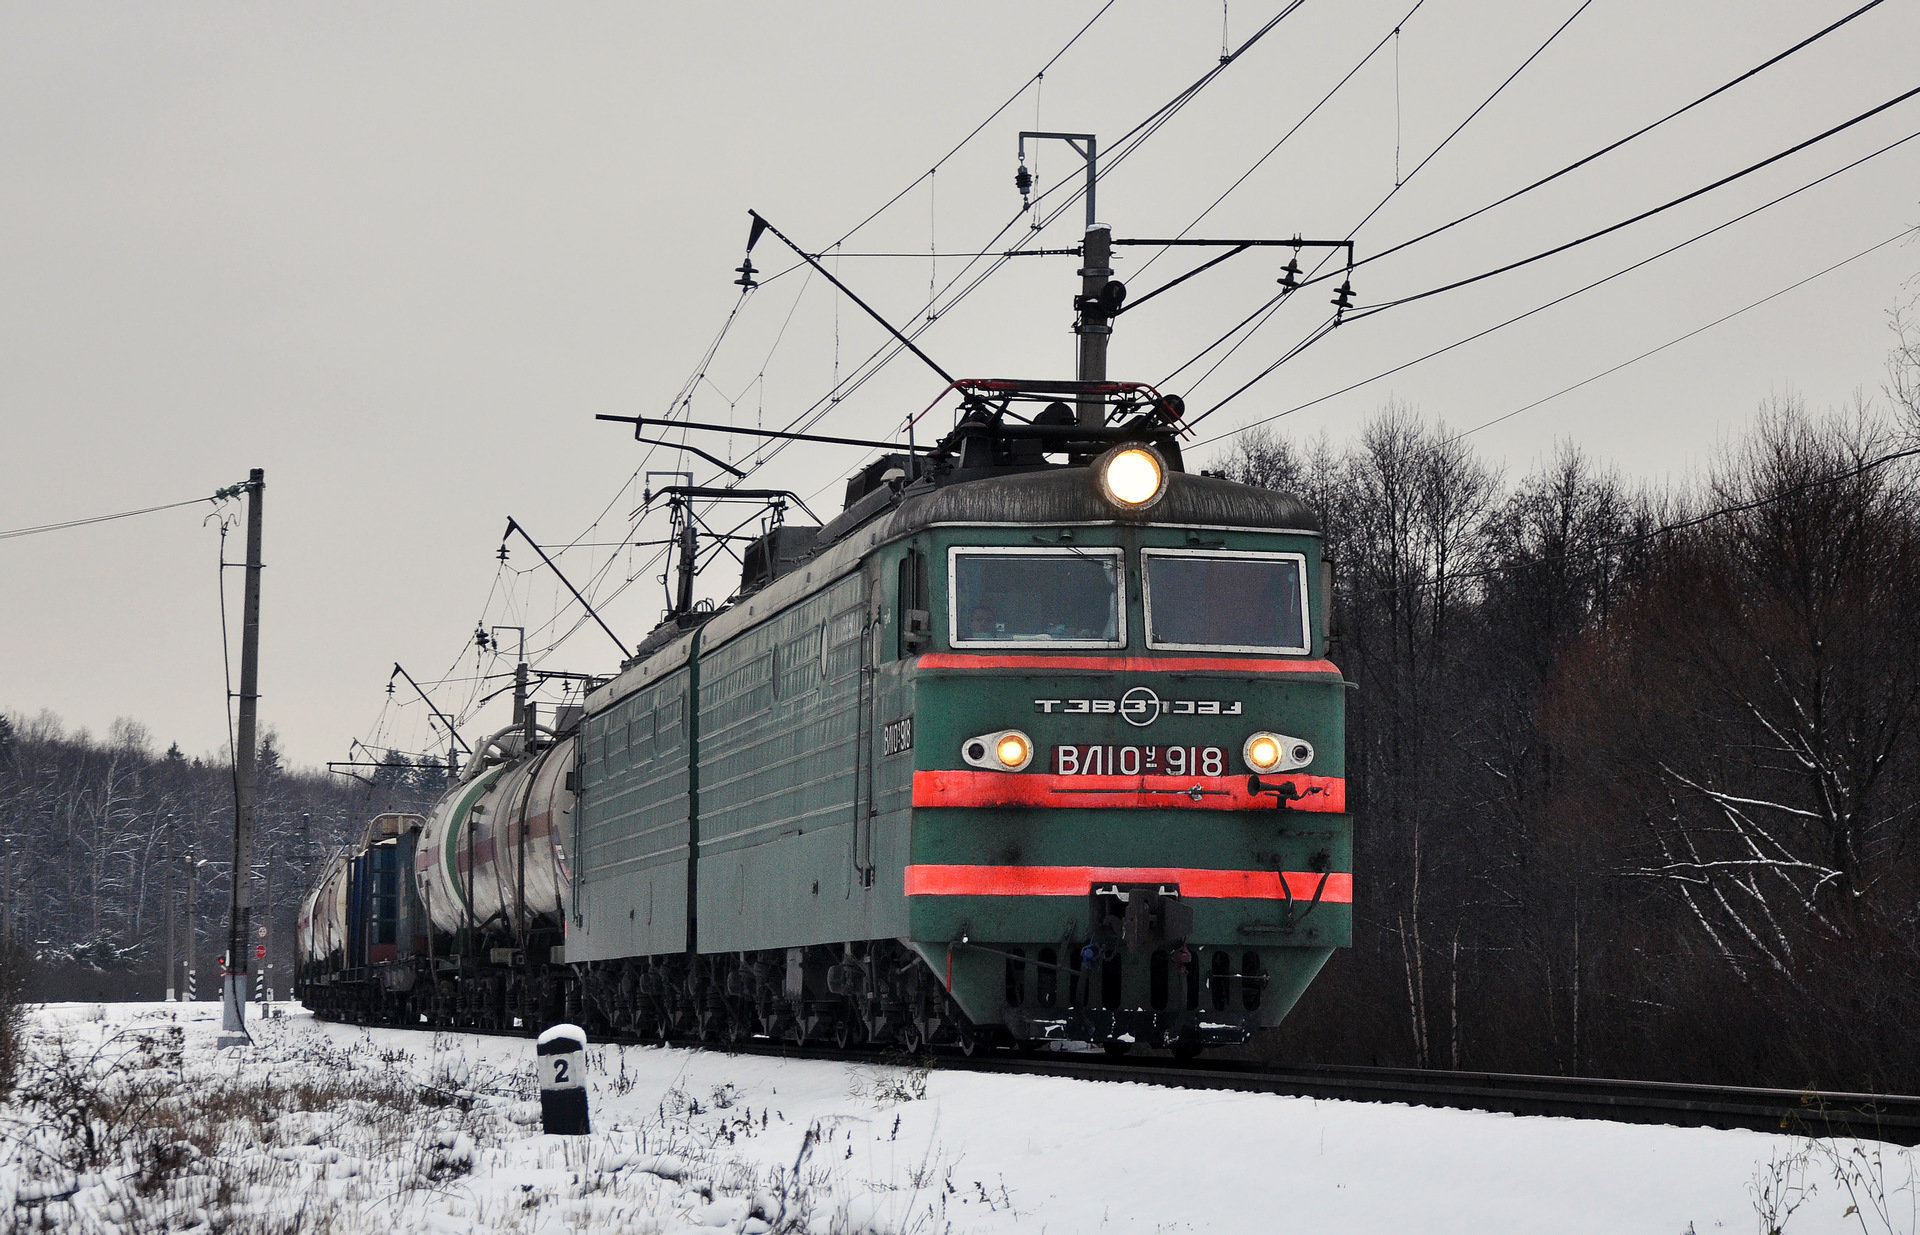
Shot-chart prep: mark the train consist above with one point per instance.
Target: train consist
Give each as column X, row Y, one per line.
column 1037, row 740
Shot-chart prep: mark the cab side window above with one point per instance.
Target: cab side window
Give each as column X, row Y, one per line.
column 914, row 628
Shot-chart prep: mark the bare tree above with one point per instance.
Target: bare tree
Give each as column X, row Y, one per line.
column 1751, row 710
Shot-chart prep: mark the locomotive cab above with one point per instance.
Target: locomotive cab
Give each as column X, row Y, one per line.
column 1127, row 782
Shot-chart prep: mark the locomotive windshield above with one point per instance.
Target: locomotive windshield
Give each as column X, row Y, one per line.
column 1245, row 602
column 1058, row 598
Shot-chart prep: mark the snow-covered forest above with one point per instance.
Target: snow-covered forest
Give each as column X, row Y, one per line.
column 1636, row 771
column 105, row 842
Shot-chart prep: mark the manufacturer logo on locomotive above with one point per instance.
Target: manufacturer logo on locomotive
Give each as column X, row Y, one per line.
column 1140, row 707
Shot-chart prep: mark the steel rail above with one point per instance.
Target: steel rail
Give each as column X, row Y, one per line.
column 1893, row 1118
column 1820, row 1114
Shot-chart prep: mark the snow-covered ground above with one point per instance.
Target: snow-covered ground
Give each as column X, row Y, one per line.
column 327, row 1128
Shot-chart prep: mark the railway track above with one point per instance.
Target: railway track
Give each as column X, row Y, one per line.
column 1894, row 1118
column 1883, row 1117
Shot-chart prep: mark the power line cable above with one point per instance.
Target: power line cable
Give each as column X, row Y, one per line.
column 36, row 530
column 1266, row 311
column 1314, row 276
column 1653, row 351
column 1284, row 137
column 1074, row 189
column 1637, row 133
column 1485, row 103
column 878, row 360
column 1770, row 160
column 1013, row 98
column 1541, row 308
column 684, row 396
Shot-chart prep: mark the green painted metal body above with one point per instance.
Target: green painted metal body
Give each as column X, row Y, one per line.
column 796, row 825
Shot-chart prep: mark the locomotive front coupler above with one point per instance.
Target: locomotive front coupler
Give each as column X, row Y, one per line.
column 1137, row 917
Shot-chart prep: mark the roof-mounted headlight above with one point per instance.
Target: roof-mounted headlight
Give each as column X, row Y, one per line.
column 1132, row 477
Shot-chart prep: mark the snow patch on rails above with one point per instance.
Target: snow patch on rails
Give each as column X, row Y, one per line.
column 129, row 1119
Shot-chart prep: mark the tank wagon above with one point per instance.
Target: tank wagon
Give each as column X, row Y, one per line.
column 1037, row 740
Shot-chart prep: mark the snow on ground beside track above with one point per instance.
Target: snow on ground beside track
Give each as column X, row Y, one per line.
column 332, row 1128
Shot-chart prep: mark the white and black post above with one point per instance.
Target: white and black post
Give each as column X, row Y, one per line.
column 563, row 1082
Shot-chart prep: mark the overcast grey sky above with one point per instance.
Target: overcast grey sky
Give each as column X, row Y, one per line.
column 399, row 256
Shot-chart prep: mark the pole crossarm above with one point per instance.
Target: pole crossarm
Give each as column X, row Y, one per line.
column 1086, row 145
column 1234, row 249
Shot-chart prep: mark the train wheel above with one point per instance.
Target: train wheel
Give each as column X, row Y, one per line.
column 1186, row 1052
column 842, row 1032
column 1115, row 1050
column 969, row 1039
column 911, row 1039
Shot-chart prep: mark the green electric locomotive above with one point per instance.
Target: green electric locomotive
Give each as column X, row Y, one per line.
column 1036, row 741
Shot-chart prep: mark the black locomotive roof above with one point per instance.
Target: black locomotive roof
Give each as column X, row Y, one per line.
column 1000, row 468
column 1046, row 496
column 1071, row 495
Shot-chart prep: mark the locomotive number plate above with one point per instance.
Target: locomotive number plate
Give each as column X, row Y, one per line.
column 1112, row 760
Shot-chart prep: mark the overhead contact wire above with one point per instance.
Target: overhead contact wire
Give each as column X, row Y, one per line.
column 1558, row 300
column 1127, row 144
column 1637, row 133
column 1266, row 311
column 1673, row 342
column 1770, row 160
column 1315, row 276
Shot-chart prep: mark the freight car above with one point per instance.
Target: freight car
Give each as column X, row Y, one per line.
column 1037, row 740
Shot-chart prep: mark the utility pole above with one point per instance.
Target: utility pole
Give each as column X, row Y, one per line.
column 1096, row 304
column 522, row 708
column 233, row 1023
column 1101, row 295
column 683, row 592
